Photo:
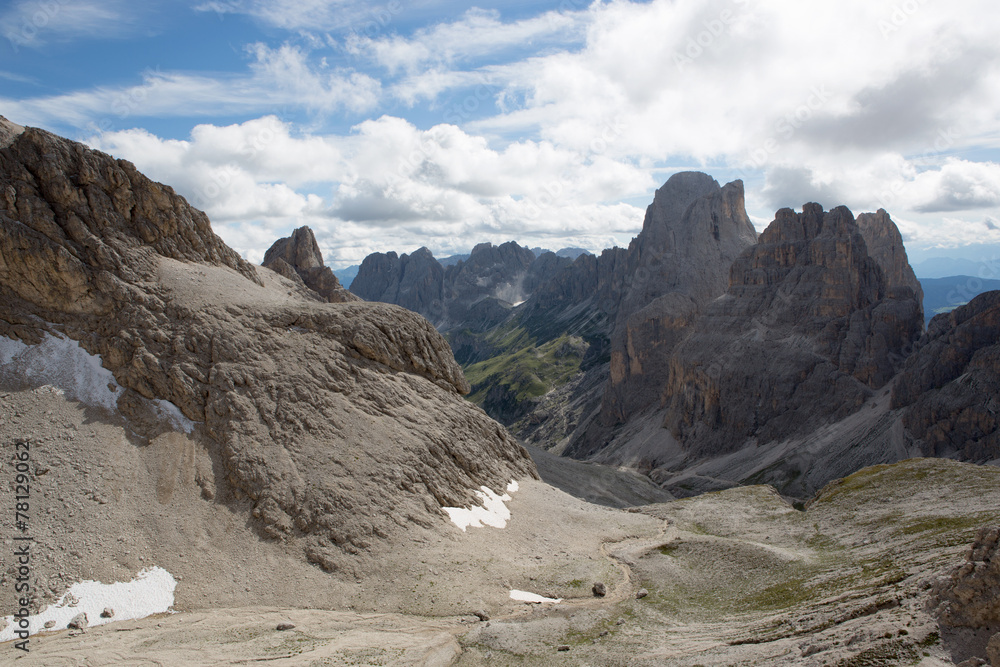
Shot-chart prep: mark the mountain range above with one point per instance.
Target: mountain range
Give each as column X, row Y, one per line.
column 214, row 462
column 703, row 355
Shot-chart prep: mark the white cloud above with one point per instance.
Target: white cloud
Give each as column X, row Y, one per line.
column 281, row 77
column 439, row 187
column 33, row 23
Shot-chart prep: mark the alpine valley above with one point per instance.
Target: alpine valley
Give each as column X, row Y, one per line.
column 713, row 447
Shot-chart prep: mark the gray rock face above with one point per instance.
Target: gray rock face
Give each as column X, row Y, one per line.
column 692, row 232
column 335, row 426
column 950, row 385
column 299, row 256
column 970, row 596
column 473, row 293
column 806, row 331
column 885, row 245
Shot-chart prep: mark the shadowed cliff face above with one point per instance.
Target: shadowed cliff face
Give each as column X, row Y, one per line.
column 476, row 293
column 692, row 232
column 951, row 384
column 808, row 328
column 339, row 425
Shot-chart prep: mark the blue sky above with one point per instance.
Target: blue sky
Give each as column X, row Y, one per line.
column 428, row 122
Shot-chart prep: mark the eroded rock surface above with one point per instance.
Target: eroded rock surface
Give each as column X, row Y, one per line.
column 950, row 385
column 341, row 424
column 807, row 330
column 299, row 257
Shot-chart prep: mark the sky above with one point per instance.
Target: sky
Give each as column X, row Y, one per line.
column 407, row 123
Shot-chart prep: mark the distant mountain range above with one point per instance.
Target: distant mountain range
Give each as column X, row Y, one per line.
column 942, row 295
column 347, row 275
column 705, row 356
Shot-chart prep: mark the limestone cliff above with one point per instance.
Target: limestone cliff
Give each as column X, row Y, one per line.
column 298, row 257
column 336, row 425
column 950, row 385
column 808, row 328
column 692, row 232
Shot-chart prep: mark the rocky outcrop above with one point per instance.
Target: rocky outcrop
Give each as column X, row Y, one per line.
column 808, row 328
column 967, row 602
column 475, row 293
column 885, row 245
column 336, row 425
column 299, row 257
column 414, row 281
column 692, row 232
column 950, row 384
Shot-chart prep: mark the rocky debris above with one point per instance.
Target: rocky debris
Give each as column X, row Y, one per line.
column 970, row 596
column 599, row 589
column 993, row 650
column 298, row 258
column 562, row 647
column 78, row 622
column 49, row 624
column 641, row 593
column 335, row 425
column 283, row 627
column 806, row 331
column 951, row 383
column 481, row 615
column 108, row 613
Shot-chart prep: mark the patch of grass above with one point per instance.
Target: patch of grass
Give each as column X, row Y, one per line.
column 940, row 524
column 930, row 640
column 669, row 549
column 527, row 371
column 576, row 583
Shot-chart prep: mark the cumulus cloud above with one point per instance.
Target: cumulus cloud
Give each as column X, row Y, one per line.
column 439, row 187
column 539, row 126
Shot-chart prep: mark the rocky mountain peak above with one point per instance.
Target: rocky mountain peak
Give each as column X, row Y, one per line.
column 300, row 250
column 8, row 131
column 692, row 233
column 807, row 308
column 885, row 244
column 298, row 256
column 273, row 385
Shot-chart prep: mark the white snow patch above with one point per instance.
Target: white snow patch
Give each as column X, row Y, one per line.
column 151, row 592
column 525, row 596
column 493, row 511
column 63, row 364
column 513, row 486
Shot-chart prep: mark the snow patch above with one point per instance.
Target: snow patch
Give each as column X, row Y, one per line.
column 493, row 511
column 534, row 598
column 64, row 365
column 151, row 592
